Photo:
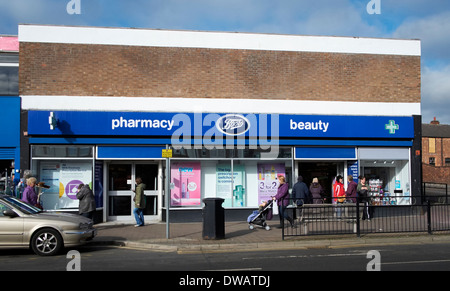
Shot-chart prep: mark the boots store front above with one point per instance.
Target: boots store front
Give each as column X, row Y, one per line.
column 102, row 106
column 237, row 157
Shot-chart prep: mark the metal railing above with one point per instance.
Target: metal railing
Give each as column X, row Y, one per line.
column 362, row 218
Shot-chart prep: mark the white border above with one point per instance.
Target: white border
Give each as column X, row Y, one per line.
column 219, row 105
column 216, row 40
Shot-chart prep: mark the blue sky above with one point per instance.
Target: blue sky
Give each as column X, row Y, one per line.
column 428, row 20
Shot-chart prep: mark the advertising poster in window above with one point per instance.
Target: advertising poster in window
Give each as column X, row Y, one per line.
column 98, row 184
column 63, row 179
column 352, row 170
column 267, row 180
column 236, row 197
column 49, row 174
column 186, row 180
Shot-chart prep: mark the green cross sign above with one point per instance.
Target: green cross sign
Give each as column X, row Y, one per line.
column 392, row 127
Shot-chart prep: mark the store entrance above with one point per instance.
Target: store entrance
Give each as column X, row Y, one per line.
column 6, row 182
column 326, row 172
column 121, row 182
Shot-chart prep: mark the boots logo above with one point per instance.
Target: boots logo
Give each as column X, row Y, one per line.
column 233, row 124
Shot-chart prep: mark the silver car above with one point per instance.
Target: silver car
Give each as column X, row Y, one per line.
column 23, row 225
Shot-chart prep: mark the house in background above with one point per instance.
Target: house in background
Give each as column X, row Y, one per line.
column 436, row 152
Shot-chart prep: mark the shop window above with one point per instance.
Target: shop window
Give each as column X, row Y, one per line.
column 62, row 168
column 187, row 183
column 391, row 178
column 63, row 178
column 9, row 81
column 447, row 161
column 240, row 182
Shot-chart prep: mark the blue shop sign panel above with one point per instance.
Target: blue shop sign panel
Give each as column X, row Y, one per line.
column 10, row 121
column 78, row 123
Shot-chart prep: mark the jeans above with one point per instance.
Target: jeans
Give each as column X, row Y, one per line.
column 139, row 216
column 282, row 213
column 339, row 208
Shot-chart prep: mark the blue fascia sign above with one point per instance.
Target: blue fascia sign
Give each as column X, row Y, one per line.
column 88, row 123
column 10, row 120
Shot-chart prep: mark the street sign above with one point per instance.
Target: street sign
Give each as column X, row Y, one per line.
column 166, row 153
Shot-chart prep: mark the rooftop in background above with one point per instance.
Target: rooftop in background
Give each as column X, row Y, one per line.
column 9, row 43
column 435, row 129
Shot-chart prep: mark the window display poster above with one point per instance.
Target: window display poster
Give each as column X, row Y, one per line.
column 63, row 179
column 353, row 170
column 98, row 183
column 267, row 180
column 186, row 180
column 235, row 198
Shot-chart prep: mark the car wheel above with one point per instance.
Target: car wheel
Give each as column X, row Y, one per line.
column 46, row 242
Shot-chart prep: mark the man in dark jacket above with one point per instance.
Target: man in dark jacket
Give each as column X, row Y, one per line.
column 87, row 201
column 300, row 192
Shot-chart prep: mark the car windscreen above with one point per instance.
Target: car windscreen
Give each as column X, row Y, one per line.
column 22, row 206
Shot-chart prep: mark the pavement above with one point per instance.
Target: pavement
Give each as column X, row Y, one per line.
column 187, row 238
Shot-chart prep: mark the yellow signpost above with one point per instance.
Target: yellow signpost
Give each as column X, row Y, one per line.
column 166, row 153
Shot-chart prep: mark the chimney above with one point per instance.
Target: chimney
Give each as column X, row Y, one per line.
column 435, row 122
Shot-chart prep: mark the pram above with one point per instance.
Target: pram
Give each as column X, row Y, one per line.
column 259, row 217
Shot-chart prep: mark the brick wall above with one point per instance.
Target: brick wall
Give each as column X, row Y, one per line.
column 439, row 172
column 102, row 70
column 433, row 174
column 442, row 151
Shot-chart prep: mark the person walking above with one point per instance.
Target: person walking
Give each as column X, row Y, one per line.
column 139, row 201
column 29, row 194
column 86, row 207
column 316, row 191
column 282, row 198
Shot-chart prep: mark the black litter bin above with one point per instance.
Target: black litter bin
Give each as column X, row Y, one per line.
column 213, row 218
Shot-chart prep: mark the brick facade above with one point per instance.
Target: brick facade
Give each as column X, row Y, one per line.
column 433, row 174
column 109, row 70
column 442, row 151
column 436, row 146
